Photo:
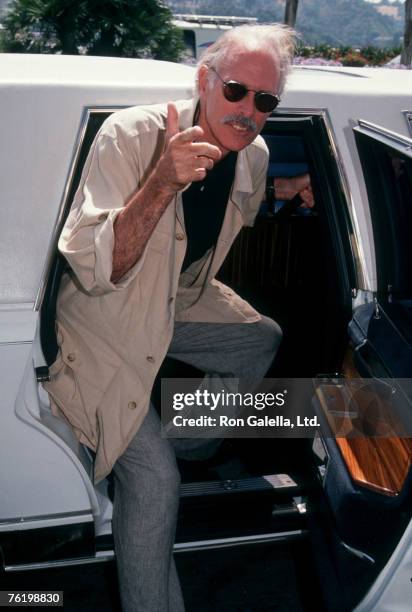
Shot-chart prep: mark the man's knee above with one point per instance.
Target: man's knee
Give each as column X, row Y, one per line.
column 263, row 340
column 271, row 335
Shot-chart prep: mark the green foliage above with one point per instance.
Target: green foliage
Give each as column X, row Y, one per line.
column 378, row 56
column 127, row 28
column 349, row 56
column 353, row 58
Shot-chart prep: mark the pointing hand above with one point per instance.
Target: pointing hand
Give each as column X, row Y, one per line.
column 186, row 157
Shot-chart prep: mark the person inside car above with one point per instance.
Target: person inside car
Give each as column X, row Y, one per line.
column 163, row 194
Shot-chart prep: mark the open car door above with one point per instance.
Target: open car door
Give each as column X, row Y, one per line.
column 382, row 332
column 367, row 466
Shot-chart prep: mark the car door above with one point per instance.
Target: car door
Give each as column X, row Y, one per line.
column 367, row 470
column 382, row 332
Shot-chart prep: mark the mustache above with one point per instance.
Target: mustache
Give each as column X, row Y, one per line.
column 244, row 121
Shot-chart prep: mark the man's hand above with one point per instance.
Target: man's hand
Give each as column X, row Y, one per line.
column 184, row 159
column 287, row 188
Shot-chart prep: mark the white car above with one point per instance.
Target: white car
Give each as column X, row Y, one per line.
column 338, row 279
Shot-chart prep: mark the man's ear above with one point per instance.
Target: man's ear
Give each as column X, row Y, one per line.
column 202, row 76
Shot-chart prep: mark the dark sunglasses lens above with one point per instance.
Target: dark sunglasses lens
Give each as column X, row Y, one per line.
column 265, row 102
column 234, row 91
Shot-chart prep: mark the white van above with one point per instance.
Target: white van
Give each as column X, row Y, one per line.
column 200, row 31
column 337, row 278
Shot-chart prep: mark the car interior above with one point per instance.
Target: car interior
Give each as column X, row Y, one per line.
column 298, row 266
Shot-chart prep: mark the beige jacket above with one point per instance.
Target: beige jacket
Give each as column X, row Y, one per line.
column 114, row 337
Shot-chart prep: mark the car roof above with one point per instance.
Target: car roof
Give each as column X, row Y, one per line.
column 72, row 69
column 109, row 73
column 337, row 79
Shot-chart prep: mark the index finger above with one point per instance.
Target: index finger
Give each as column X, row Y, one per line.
column 172, row 121
column 191, row 134
column 206, row 149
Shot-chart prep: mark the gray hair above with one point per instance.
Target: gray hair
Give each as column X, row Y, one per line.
column 276, row 39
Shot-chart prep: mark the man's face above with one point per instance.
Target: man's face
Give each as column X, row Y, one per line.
column 224, row 121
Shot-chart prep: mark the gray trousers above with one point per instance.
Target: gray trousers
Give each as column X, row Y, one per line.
column 146, row 476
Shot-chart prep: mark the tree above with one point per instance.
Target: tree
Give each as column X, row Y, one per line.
column 127, row 28
column 291, row 10
column 406, row 57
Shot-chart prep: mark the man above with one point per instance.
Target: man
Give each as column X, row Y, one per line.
column 163, row 194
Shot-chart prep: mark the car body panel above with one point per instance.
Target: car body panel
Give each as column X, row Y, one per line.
column 33, row 178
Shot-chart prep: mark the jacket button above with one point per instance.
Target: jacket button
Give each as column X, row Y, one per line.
column 102, row 217
column 132, row 405
column 150, row 359
column 180, row 236
column 71, row 357
column 171, row 300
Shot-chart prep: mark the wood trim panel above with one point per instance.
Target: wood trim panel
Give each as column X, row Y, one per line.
column 381, row 463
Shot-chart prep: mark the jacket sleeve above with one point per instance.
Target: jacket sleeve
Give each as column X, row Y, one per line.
column 110, row 176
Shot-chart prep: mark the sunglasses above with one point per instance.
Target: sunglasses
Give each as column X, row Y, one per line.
column 233, row 91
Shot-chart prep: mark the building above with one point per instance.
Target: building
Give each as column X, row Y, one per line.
column 390, row 11
column 200, row 31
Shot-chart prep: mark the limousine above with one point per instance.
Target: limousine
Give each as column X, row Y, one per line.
column 338, row 279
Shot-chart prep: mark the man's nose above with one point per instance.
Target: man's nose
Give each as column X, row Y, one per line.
column 247, row 104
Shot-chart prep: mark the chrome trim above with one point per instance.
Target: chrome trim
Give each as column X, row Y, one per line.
column 297, row 111
column 86, row 113
column 358, row 553
column 380, row 131
column 360, row 345
column 40, row 522
column 330, row 70
column 103, row 556
column 240, row 541
column 408, row 118
column 300, row 504
column 100, row 557
column 15, row 342
column 17, row 307
column 360, row 261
